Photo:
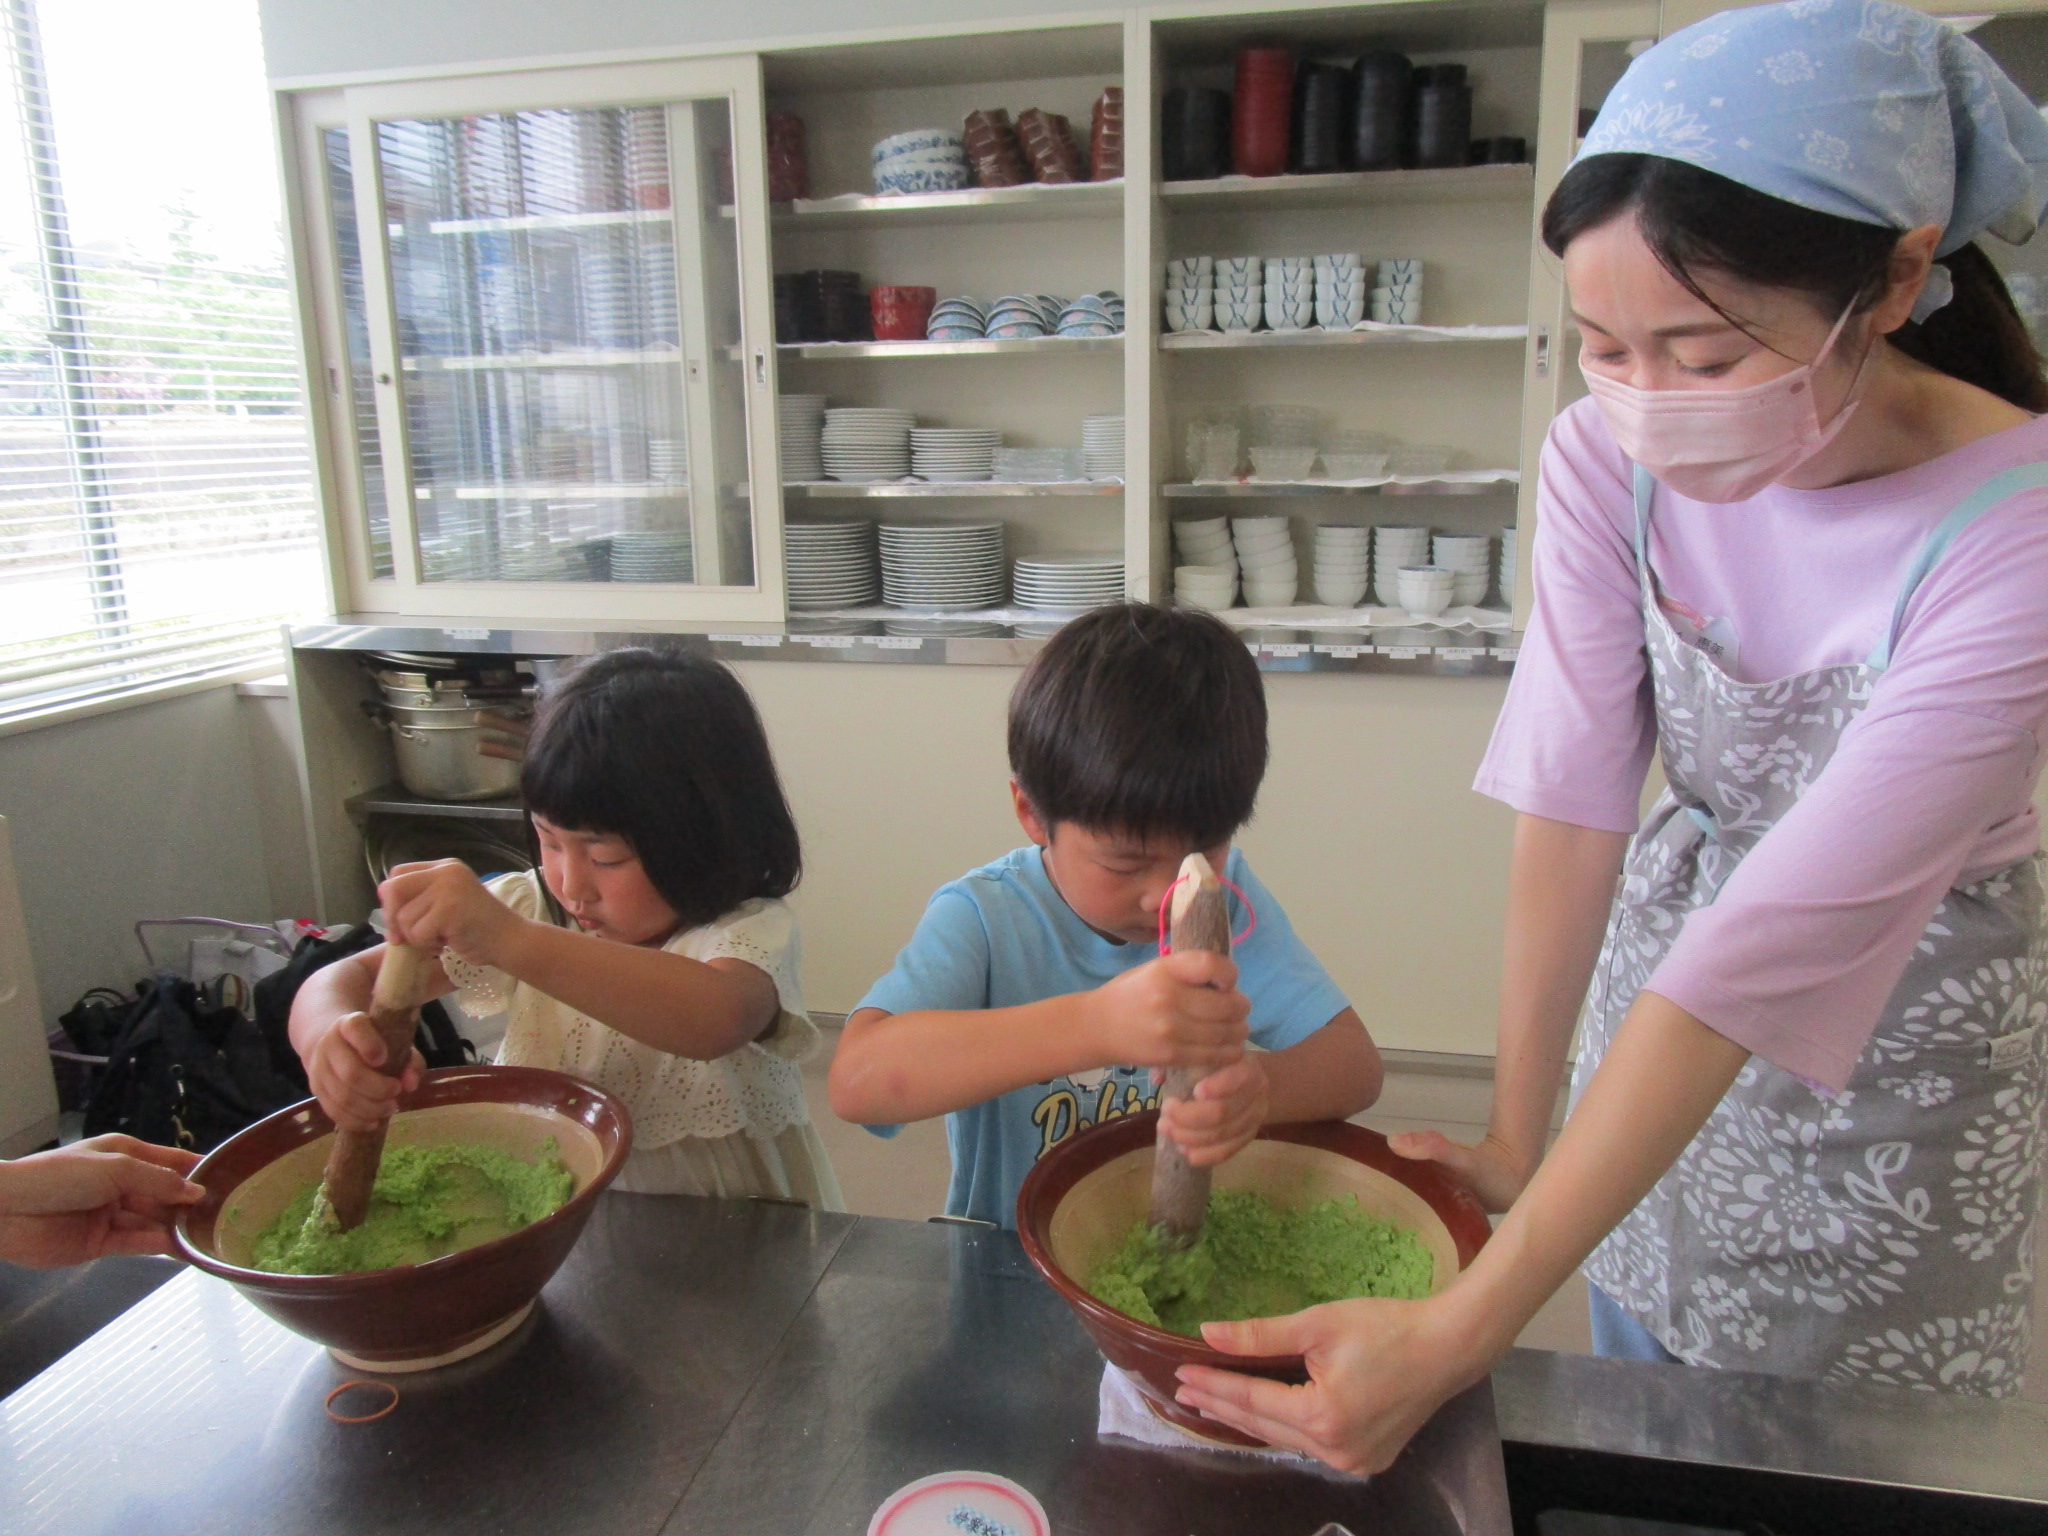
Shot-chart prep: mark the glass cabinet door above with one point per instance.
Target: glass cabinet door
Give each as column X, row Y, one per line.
column 564, row 398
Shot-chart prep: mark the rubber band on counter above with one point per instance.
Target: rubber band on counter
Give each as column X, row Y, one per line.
column 361, row 1418
column 1251, row 913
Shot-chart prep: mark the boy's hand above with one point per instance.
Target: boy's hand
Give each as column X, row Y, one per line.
column 1225, row 1113
column 1182, row 1010
column 343, row 1070
column 443, row 905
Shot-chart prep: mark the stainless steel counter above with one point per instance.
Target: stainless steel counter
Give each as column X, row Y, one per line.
column 697, row 1366
column 1416, row 652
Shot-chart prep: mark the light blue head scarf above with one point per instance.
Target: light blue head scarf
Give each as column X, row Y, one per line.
column 1857, row 108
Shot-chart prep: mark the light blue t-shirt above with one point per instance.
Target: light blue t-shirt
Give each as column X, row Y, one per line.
column 1001, row 937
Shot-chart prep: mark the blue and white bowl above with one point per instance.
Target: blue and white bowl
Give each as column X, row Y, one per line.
column 918, row 141
column 951, row 178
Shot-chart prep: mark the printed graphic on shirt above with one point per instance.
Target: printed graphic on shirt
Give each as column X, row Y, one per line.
column 1069, row 1105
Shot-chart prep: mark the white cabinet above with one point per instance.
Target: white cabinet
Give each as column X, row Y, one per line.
column 547, row 340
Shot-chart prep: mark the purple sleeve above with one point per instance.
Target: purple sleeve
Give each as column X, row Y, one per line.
column 1574, row 738
column 1798, row 954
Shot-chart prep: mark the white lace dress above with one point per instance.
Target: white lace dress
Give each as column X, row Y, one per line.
column 732, row 1127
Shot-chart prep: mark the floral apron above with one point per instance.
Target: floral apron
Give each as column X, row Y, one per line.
column 1884, row 1233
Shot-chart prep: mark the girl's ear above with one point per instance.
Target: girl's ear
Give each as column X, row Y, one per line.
column 1027, row 817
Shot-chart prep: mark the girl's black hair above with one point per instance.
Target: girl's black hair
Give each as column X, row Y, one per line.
column 1695, row 220
column 665, row 749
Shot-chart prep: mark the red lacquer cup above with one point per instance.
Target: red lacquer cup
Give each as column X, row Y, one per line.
column 901, row 314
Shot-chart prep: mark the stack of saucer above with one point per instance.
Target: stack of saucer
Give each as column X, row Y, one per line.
column 1508, row 544
column 1067, row 581
column 1343, row 561
column 1290, row 292
column 953, row 453
column 799, row 422
column 1265, row 552
column 668, row 460
column 1397, row 297
column 655, row 555
column 1392, row 548
column 1340, row 291
column 958, row 319
column 867, row 445
column 831, row 562
column 942, row 565
column 1469, row 557
column 1102, row 447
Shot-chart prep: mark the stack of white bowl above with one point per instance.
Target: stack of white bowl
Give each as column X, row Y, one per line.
column 1240, row 293
column 1265, row 554
column 1290, row 292
column 1343, row 564
column 922, row 160
column 954, row 453
column 1508, row 546
column 655, row 554
column 1205, row 572
column 1102, row 447
column 1340, row 291
column 1469, row 557
column 1397, row 296
column 867, row 445
column 1066, row 582
column 1392, row 548
column 831, row 562
column 1425, row 590
column 936, row 566
column 800, row 422
column 1190, row 301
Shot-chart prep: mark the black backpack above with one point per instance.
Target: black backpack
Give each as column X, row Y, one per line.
column 437, row 1039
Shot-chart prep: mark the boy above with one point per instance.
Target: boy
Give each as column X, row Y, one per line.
column 1032, row 1001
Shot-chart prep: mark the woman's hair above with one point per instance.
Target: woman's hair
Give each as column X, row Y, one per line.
column 1697, row 221
column 1144, row 721
column 665, row 750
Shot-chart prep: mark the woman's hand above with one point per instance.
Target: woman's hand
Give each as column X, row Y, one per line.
column 1228, row 1107
column 1494, row 1172
column 1377, row 1371
column 109, row 1195
column 442, row 905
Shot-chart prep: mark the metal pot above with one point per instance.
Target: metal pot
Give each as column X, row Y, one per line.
column 439, row 754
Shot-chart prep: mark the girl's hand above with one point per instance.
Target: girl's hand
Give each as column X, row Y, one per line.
column 1494, row 1172
column 112, row 1194
column 1377, row 1371
column 1181, row 1010
column 1225, row 1113
column 344, row 1070
column 443, row 905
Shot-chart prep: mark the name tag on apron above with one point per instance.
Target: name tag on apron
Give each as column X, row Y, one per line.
column 1716, row 637
column 2009, row 1051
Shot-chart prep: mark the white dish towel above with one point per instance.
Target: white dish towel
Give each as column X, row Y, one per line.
column 1121, row 1411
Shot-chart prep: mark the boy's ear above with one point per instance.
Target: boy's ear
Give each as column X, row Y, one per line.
column 1027, row 817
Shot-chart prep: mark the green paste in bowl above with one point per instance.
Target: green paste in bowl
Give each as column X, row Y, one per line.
column 428, row 1202
column 1258, row 1259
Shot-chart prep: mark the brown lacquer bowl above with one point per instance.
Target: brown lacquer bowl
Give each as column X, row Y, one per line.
column 1083, row 1196
column 416, row 1315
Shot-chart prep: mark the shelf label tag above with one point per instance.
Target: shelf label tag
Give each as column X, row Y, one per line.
column 1345, row 652
column 1507, row 652
column 1401, row 652
column 1461, row 652
column 898, row 642
column 747, row 640
column 467, row 634
column 1286, row 652
column 826, row 642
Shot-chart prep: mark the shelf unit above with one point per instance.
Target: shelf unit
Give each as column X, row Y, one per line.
column 1212, row 490
column 1014, row 346
column 971, row 205
column 1351, row 189
column 947, row 490
column 1316, row 336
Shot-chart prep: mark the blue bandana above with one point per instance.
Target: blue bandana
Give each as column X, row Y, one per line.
column 1857, row 108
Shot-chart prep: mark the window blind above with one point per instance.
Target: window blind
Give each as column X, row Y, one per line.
column 157, row 517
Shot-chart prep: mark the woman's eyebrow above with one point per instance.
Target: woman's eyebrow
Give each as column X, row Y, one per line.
column 1665, row 332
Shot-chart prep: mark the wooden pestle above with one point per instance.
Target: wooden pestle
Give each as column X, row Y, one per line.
column 353, row 1160
column 1199, row 918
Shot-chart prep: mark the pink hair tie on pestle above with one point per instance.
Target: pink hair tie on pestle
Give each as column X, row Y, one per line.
column 1166, row 905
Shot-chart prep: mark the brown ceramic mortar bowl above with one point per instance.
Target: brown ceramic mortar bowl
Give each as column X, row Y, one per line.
column 416, row 1315
column 1083, row 1196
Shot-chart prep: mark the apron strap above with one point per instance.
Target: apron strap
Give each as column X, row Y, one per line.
column 1999, row 488
column 1645, row 487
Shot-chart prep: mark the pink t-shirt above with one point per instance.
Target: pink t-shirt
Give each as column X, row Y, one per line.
column 1931, row 786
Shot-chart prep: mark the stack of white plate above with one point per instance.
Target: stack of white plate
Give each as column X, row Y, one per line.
column 1067, row 581
column 1102, row 447
column 654, row 555
column 953, row 453
column 867, row 445
column 800, row 422
column 831, row 563
column 942, row 565
column 1265, row 553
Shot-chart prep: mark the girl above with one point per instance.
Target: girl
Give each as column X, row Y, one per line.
column 652, row 955
column 1797, row 544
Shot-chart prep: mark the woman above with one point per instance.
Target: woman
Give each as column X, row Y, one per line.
column 1797, row 542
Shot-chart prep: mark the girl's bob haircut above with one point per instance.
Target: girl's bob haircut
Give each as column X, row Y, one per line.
column 665, row 749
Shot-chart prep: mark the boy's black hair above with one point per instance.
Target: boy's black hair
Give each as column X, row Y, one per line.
column 1141, row 720
column 666, row 750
